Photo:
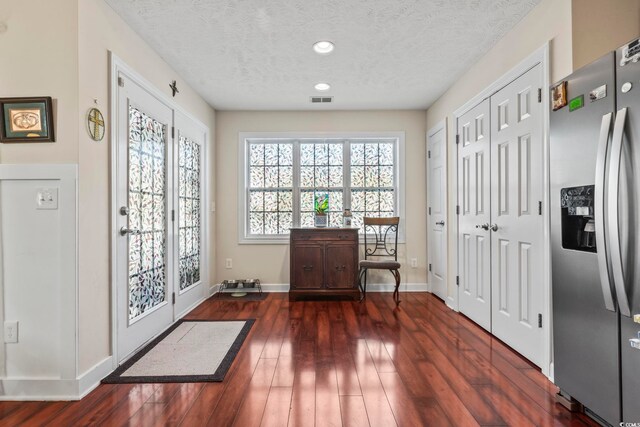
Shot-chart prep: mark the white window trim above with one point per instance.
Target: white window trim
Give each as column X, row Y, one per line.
column 243, row 172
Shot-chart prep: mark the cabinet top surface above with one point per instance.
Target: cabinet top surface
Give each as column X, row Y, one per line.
column 324, row 229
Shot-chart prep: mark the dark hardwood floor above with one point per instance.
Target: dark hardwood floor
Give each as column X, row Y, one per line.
column 332, row 363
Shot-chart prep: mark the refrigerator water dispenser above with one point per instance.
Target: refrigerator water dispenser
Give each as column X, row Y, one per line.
column 578, row 226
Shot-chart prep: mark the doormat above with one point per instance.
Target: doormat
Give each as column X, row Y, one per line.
column 189, row 351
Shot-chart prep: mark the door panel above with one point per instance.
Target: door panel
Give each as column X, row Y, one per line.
column 340, row 266
column 516, row 239
column 437, row 243
column 144, row 242
column 189, row 230
column 309, row 266
column 474, row 198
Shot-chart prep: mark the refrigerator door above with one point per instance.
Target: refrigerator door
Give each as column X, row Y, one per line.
column 628, row 96
column 585, row 332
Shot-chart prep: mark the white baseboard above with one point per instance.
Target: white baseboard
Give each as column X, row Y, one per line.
column 371, row 287
column 55, row 388
column 88, row 381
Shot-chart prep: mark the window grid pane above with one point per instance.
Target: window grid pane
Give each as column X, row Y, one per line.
column 270, row 188
column 189, row 200
column 372, row 180
column 319, row 168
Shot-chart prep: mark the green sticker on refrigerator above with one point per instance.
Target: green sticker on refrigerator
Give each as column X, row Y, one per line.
column 576, row 103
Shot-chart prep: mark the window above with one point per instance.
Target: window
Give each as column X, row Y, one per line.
column 280, row 176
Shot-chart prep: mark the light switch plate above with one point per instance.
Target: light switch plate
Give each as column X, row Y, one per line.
column 47, row 198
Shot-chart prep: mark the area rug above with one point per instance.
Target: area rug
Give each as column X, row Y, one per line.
column 189, row 351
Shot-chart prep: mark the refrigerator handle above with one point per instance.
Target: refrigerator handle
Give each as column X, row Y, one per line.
column 613, row 228
column 599, row 214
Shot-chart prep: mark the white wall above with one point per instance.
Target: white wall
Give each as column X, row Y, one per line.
column 550, row 21
column 270, row 263
column 60, row 49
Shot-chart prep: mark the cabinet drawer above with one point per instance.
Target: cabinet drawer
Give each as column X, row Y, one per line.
column 330, row 235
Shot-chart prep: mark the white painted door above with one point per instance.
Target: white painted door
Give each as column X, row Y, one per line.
column 474, row 251
column 189, row 172
column 144, row 241
column 437, row 214
column 517, row 226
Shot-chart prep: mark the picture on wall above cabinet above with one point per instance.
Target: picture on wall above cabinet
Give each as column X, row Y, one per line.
column 26, row 120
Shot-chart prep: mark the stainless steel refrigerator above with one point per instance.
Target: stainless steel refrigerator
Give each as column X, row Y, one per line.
column 595, row 241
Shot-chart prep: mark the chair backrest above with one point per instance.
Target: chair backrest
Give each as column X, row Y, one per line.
column 385, row 233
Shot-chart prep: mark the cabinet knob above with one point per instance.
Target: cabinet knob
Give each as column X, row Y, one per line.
column 341, row 267
column 307, row 267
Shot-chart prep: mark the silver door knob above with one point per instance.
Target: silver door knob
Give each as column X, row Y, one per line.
column 494, row 227
column 440, row 223
column 485, row 227
column 124, row 231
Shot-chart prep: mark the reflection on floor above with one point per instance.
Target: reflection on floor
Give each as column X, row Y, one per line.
column 334, row 363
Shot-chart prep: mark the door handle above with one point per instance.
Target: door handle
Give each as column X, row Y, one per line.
column 613, row 197
column 307, row 267
column 440, row 223
column 124, row 231
column 485, row 227
column 494, row 227
column 341, row 267
column 599, row 213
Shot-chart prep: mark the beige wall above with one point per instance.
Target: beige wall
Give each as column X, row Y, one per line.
column 601, row 26
column 101, row 30
column 270, row 263
column 550, row 21
column 39, row 57
column 60, row 49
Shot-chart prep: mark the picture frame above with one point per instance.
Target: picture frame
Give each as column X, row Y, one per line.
column 559, row 96
column 26, row 120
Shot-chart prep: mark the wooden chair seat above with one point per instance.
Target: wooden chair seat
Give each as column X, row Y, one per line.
column 380, row 265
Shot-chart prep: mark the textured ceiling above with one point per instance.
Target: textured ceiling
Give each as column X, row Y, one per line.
column 256, row 54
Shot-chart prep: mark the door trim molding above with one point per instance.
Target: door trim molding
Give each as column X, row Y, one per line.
column 117, row 66
column 540, row 56
column 440, row 126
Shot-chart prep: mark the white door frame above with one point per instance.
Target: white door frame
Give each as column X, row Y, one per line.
column 540, row 56
column 440, row 126
column 118, row 66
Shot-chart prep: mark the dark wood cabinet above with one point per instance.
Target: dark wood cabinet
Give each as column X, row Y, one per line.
column 324, row 262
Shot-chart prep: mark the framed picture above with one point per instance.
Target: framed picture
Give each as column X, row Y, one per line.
column 26, row 120
column 559, row 96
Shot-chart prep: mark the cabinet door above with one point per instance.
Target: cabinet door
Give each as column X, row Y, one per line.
column 307, row 266
column 340, row 269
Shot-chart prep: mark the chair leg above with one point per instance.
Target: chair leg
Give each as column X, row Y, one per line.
column 363, row 290
column 396, row 275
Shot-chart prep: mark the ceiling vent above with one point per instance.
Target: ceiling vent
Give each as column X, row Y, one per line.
column 321, row 99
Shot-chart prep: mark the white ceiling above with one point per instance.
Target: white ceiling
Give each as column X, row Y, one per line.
column 257, row 55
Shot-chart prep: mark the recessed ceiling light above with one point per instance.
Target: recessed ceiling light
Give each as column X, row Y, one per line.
column 323, row 47
column 322, row 87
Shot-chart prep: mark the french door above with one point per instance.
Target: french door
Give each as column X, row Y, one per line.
column 500, row 240
column 159, row 216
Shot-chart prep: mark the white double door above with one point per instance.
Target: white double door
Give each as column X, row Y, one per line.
column 159, row 229
column 500, row 188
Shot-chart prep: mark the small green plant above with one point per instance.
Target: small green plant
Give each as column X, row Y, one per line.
column 321, row 204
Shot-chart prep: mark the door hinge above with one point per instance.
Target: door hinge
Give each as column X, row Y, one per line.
column 457, row 209
column 539, row 320
column 457, row 280
column 173, row 298
column 429, row 153
column 429, row 267
column 458, row 139
column 539, row 94
column 173, row 132
column 173, row 215
column 429, row 211
column 540, row 207
column 120, row 82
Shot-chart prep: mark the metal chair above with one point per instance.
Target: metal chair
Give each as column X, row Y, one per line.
column 385, row 231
